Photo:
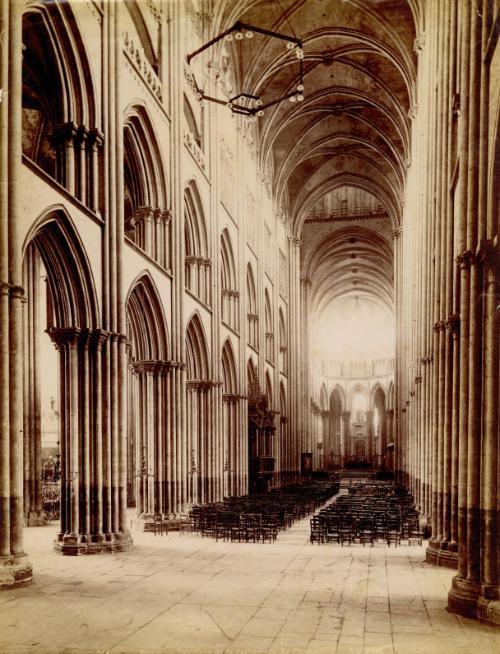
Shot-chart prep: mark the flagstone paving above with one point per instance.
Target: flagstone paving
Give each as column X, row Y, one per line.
column 184, row 593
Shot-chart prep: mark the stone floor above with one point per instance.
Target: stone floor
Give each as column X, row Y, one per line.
column 187, row 594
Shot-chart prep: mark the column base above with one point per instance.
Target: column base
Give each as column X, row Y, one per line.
column 74, row 545
column 439, row 553
column 15, row 572
column 488, row 611
column 36, row 519
column 463, row 598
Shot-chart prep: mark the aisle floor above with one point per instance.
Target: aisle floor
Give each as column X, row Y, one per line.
column 184, row 593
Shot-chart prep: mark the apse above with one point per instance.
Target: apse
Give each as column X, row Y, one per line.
column 353, row 328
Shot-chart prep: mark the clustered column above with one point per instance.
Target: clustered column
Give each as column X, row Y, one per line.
column 447, row 375
column 233, row 454
column 15, row 569
column 295, row 417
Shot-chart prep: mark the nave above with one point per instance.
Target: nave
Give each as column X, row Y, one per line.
column 181, row 593
column 243, row 242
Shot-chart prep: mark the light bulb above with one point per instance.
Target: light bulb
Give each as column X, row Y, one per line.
column 258, row 102
column 249, row 34
column 292, row 98
column 300, row 87
column 260, row 113
column 239, row 36
column 300, row 97
column 299, row 53
column 229, row 37
column 229, row 105
column 290, row 45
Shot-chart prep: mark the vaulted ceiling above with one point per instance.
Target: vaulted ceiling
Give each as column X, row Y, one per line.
column 353, row 126
column 349, row 135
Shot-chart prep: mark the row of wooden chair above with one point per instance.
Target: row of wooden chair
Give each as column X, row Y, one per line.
column 370, row 513
column 259, row 518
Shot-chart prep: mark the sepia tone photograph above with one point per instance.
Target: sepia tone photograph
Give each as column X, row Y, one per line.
column 249, row 326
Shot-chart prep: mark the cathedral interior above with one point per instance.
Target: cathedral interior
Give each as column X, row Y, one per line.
column 250, row 281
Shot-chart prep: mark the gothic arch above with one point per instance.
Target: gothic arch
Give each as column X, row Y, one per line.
column 148, row 366
column 87, row 356
column 252, row 315
column 251, row 294
column 269, row 327
column 196, row 350
column 146, row 325
column 268, row 312
column 283, row 402
column 269, row 390
column 58, row 101
column 195, row 231
column 378, row 391
column 358, row 388
column 228, row 267
column 229, row 370
column 143, row 168
column 73, row 301
column 283, row 342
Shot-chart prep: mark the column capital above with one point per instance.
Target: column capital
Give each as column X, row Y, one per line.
column 453, row 323
column 465, row 259
column 95, row 137
column 15, row 291
column 232, row 397
column 397, row 232
column 346, row 415
column 439, row 325
column 65, row 132
column 294, row 240
column 305, row 281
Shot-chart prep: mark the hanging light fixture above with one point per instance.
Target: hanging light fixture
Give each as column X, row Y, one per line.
column 249, row 104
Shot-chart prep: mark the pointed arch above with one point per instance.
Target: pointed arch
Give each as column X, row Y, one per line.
column 283, row 401
column 195, row 232
column 229, row 370
column 378, row 394
column 252, row 315
column 268, row 312
column 283, row 342
column 269, row 389
column 251, row 294
column 336, row 404
column 196, row 350
column 72, row 297
column 58, row 101
column 146, row 324
column 228, row 267
column 145, row 183
column 269, row 326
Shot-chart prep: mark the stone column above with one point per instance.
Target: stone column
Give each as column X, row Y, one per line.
column 346, row 450
column 488, row 603
column 295, row 418
column 15, row 569
column 369, row 437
